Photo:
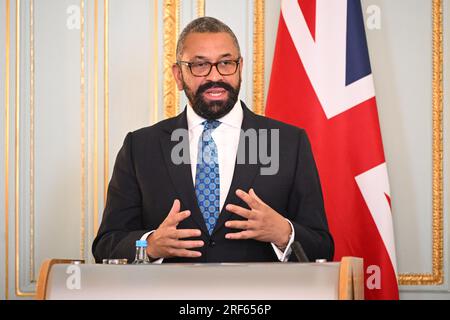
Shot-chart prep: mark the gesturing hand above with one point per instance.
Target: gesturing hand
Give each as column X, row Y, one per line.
column 165, row 241
column 263, row 223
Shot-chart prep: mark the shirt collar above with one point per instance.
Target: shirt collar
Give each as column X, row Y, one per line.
column 233, row 118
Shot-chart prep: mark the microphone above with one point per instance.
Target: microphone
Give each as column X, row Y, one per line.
column 298, row 251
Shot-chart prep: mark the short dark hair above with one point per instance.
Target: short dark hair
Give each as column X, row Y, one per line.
column 205, row 25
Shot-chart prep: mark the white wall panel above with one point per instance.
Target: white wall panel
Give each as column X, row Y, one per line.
column 57, row 176
column 131, row 70
column 3, row 119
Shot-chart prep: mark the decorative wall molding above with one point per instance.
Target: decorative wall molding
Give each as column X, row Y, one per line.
column 437, row 275
column 171, row 25
column 258, row 57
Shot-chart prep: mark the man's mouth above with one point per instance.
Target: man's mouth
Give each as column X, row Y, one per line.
column 215, row 94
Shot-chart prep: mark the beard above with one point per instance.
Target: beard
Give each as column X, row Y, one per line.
column 212, row 110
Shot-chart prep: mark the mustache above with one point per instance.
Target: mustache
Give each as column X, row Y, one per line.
column 213, row 109
column 210, row 85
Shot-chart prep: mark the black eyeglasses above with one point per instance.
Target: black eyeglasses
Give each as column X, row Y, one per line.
column 203, row 69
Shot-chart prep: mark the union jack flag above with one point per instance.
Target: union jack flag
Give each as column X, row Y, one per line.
column 322, row 81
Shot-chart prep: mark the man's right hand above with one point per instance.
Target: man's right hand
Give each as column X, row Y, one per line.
column 165, row 241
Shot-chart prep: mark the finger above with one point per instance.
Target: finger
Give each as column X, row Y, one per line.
column 180, row 216
column 247, row 234
column 175, row 207
column 184, row 244
column 186, row 233
column 239, row 211
column 176, row 218
column 254, row 195
column 244, row 225
column 185, row 253
column 252, row 202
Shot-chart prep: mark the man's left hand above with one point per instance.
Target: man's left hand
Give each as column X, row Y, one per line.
column 263, row 223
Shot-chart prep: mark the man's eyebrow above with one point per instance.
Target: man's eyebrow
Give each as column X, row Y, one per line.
column 200, row 58
column 226, row 55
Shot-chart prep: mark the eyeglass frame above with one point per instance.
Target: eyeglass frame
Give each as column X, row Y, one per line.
column 211, row 65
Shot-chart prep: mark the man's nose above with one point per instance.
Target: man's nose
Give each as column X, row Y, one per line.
column 214, row 75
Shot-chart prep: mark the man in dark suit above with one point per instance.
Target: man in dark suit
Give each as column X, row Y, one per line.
column 220, row 205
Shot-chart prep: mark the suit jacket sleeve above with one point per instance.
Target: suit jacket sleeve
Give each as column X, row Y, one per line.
column 121, row 225
column 306, row 202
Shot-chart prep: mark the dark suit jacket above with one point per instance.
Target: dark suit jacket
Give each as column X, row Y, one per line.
column 145, row 183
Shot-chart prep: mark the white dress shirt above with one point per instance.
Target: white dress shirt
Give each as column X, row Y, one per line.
column 226, row 137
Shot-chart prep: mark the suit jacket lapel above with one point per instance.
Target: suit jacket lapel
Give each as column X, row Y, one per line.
column 244, row 174
column 181, row 174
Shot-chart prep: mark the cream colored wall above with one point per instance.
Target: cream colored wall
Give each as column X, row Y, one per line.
column 65, row 156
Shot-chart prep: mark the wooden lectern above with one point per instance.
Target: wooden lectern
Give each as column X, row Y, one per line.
column 63, row 279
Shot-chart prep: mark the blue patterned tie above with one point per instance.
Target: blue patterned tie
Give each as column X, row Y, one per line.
column 207, row 182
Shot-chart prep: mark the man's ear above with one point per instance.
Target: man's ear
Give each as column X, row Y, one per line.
column 241, row 65
column 176, row 70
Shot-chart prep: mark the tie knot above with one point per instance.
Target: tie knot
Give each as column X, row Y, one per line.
column 210, row 124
